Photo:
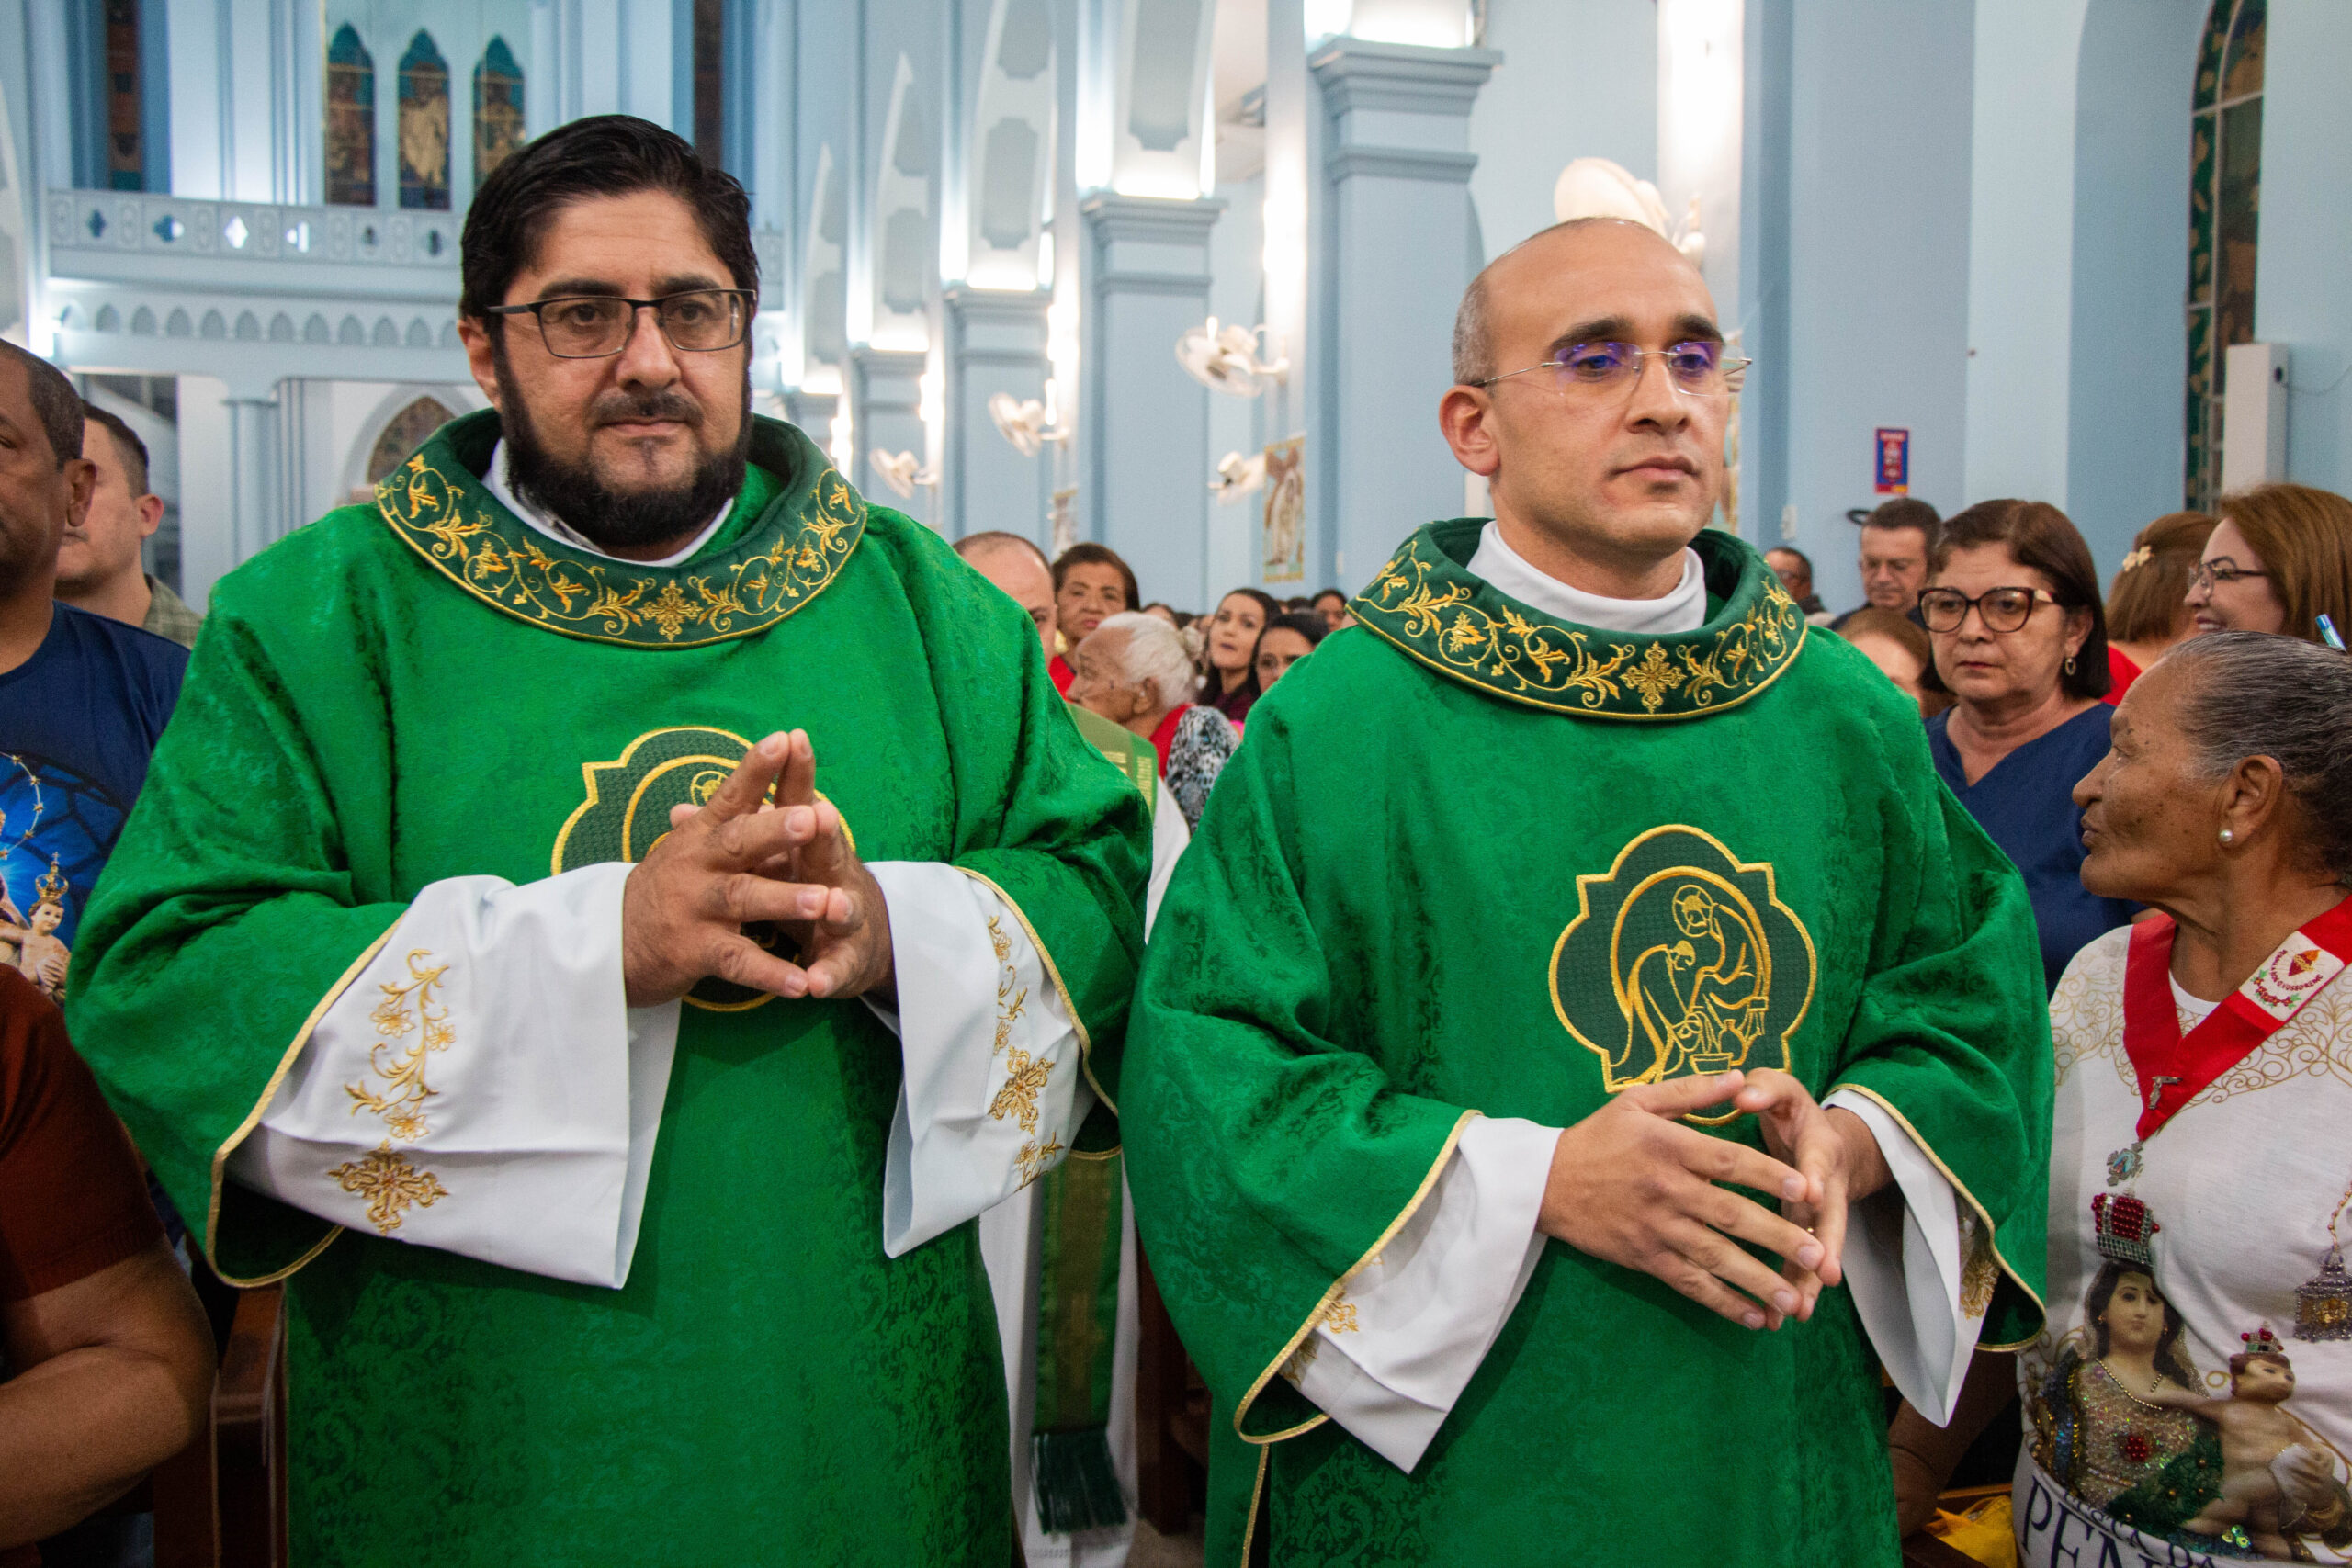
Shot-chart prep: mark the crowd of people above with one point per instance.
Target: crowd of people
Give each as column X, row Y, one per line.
column 1740, row 999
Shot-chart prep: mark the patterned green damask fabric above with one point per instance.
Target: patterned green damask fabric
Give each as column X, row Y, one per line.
column 1417, row 894
column 360, row 721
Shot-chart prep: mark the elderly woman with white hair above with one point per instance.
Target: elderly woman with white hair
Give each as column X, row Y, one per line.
column 2190, row 1394
column 1134, row 670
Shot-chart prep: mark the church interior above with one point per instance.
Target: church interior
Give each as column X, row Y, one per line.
column 1177, row 276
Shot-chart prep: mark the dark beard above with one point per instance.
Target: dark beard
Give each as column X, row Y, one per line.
column 611, row 519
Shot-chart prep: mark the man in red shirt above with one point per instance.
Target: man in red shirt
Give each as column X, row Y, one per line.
column 107, row 1355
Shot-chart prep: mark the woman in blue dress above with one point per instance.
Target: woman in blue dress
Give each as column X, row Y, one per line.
column 2012, row 606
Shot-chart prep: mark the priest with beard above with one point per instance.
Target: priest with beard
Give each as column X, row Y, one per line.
column 606, row 917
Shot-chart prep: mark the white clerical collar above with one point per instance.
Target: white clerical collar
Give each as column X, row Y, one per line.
column 496, row 482
column 1683, row 610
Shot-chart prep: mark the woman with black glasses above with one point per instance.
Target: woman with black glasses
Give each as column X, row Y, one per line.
column 2012, row 607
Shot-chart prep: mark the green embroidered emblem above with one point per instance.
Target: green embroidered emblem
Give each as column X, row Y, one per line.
column 627, row 812
column 1682, row 960
column 782, row 559
column 1426, row 602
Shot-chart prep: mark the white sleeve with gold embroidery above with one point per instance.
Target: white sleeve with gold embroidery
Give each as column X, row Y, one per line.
column 482, row 1086
column 992, row 1089
column 1908, row 1251
column 1391, row 1354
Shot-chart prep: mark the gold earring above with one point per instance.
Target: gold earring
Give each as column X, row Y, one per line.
column 2070, row 664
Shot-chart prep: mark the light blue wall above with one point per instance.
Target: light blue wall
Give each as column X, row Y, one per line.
column 2130, row 356
column 2021, row 242
column 2303, row 287
column 1879, row 100
column 1578, row 80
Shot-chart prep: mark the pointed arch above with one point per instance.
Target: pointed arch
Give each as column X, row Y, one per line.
column 498, row 107
column 350, row 121
column 425, row 126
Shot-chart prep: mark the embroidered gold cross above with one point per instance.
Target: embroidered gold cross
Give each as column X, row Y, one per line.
column 390, row 1183
column 1026, row 1075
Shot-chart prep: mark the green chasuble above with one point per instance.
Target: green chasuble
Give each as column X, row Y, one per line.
column 1472, row 859
column 426, row 688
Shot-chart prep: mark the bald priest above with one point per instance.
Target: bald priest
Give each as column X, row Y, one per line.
column 1527, row 1147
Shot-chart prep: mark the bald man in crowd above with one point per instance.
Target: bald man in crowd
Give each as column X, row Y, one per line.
column 1517, row 1057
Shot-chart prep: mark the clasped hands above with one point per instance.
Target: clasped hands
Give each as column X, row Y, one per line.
column 1632, row 1184
column 741, row 860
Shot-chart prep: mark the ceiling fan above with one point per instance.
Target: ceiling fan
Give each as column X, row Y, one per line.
column 1022, row 423
column 1225, row 359
column 901, row 471
column 1236, row 476
column 1599, row 187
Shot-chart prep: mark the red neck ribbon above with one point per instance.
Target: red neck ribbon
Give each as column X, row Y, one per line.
column 2178, row 1067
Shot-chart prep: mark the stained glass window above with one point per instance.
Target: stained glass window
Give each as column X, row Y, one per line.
column 125, row 153
column 425, row 126
column 2224, row 220
column 498, row 109
column 710, row 81
column 351, row 120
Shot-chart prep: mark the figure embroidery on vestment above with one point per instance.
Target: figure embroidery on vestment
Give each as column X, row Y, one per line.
column 1682, row 960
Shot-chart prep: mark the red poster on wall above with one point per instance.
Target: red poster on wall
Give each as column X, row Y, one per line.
column 1893, row 461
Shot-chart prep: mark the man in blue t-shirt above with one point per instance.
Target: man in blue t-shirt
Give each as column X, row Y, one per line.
column 82, row 698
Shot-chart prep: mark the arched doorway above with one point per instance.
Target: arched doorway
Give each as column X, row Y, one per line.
column 403, row 433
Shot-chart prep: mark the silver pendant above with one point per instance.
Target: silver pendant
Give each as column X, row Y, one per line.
column 2123, row 1164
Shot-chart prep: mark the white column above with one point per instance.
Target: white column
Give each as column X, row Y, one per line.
column 1145, row 433
column 996, row 342
column 1396, row 164
column 887, row 397
column 254, row 472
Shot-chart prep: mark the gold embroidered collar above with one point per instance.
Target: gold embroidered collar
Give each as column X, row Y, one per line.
column 1426, row 602
column 750, row 575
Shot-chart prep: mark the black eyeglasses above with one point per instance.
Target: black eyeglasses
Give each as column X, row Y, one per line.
column 596, row 326
column 2003, row 609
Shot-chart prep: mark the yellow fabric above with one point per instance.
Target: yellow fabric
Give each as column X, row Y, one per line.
column 1984, row 1532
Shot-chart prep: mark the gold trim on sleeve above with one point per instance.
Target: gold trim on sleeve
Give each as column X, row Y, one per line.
column 1053, row 973
column 1983, row 1217
column 1331, row 1297
column 252, row 1119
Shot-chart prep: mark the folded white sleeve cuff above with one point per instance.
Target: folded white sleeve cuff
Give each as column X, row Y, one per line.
column 1904, row 1259
column 1390, row 1356
column 482, row 1086
column 993, row 1087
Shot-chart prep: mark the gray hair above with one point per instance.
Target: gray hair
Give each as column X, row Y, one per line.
column 2258, row 695
column 1155, row 656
